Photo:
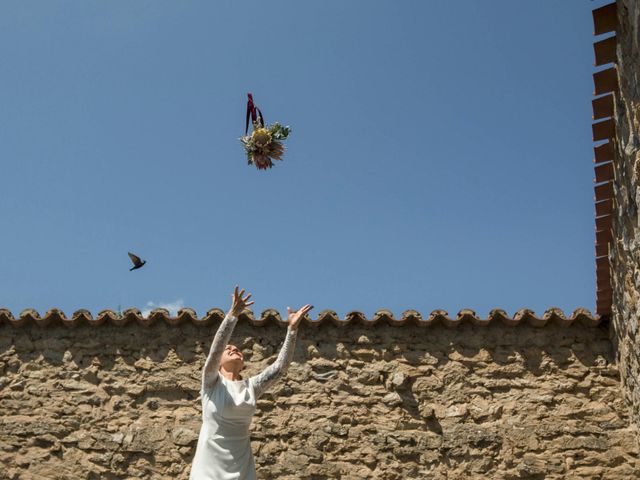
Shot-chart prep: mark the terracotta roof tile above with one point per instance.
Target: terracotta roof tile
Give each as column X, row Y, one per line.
column 270, row 316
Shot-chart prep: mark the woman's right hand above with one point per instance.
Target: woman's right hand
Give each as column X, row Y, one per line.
column 296, row 317
column 239, row 303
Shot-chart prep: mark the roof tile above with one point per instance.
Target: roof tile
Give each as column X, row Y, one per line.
column 271, row 316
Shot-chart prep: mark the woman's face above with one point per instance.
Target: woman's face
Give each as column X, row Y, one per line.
column 232, row 358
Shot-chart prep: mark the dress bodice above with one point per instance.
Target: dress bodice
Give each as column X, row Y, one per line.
column 228, row 407
column 224, row 447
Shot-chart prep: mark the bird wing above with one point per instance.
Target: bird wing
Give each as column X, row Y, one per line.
column 135, row 259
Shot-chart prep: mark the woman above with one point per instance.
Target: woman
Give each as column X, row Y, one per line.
column 228, row 401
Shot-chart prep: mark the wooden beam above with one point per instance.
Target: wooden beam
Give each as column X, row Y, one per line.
column 604, row 223
column 604, row 130
column 603, row 237
column 605, row 81
column 603, row 279
column 602, row 250
column 603, row 153
column 605, row 19
column 604, row 305
column 603, row 308
column 604, row 285
column 602, row 295
column 604, row 291
column 604, row 172
column 605, row 51
column 603, row 191
column 604, row 208
column 602, row 107
column 603, row 282
column 602, row 264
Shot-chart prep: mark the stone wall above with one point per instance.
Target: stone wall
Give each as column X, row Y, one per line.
column 496, row 401
column 625, row 250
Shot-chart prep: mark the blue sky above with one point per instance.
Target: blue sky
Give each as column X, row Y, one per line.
column 440, row 154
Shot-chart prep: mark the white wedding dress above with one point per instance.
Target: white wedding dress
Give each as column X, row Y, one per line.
column 224, row 447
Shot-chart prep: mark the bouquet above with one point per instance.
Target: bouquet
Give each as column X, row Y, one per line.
column 265, row 142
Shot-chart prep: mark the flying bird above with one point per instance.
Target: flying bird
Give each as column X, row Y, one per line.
column 137, row 263
column 253, row 112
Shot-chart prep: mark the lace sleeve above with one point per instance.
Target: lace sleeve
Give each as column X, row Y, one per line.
column 264, row 380
column 212, row 364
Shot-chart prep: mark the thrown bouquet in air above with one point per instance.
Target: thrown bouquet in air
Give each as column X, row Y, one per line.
column 265, row 142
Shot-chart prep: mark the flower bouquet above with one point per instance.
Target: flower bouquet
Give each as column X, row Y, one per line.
column 265, row 142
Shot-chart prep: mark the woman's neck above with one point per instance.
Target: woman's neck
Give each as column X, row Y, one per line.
column 230, row 374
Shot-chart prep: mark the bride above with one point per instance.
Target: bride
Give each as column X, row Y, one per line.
column 229, row 401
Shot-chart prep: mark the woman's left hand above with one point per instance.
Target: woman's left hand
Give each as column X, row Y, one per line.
column 295, row 317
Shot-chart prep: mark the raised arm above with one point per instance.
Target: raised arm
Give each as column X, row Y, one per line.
column 264, row 380
column 212, row 364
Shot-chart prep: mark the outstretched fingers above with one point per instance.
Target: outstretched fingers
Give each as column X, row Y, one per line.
column 240, row 301
column 296, row 317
